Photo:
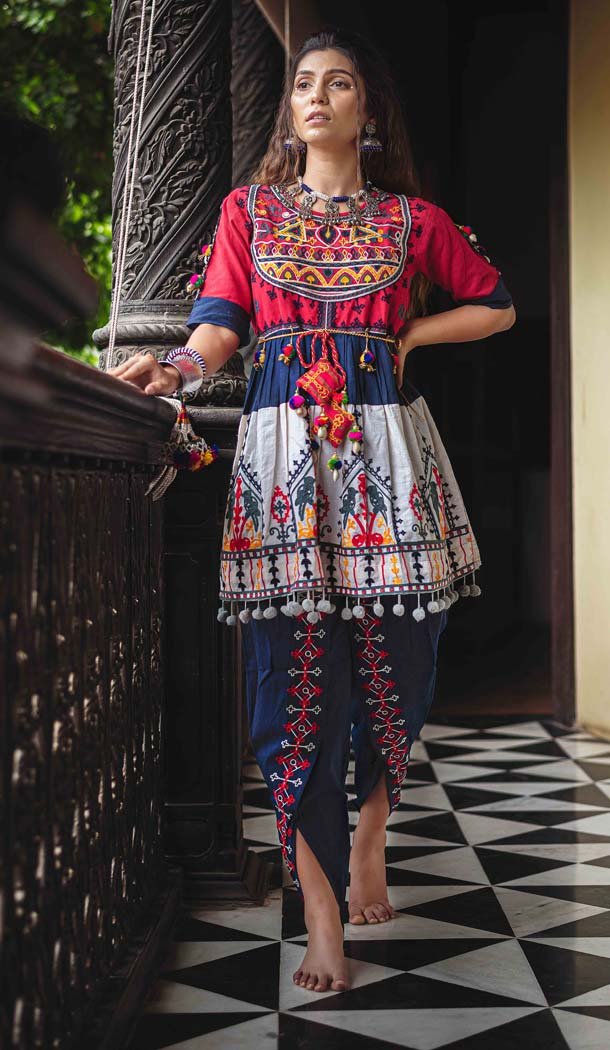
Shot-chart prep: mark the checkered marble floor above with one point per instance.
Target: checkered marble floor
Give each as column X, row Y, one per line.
column 498, row 861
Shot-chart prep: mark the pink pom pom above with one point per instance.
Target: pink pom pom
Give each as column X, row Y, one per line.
column 194, row 278
column 296, row 401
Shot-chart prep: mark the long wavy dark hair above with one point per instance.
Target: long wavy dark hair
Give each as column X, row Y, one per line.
column 392, row 169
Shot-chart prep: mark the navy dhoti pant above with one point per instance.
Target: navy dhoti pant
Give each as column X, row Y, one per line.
column 312, row 688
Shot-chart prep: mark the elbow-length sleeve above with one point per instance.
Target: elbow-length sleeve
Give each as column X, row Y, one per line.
column 450, row 256
column 224, row 286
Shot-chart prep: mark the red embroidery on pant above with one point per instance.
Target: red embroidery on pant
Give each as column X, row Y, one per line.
column 383, row 705
column 301, row 727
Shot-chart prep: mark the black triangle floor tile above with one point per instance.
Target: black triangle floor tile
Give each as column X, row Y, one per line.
column 155, row 1031
column 404, row 877
column 584, row 794
column 411, row 991
column 465, row 797
column 590, row 926
column 602, row 1012
column 598, row 896
column 564, row 974
column 300, row 1033
column 188, row 928
column 252, row 978
column 477, row 908
column 442, row 825
column 539, row 1028
column 411, row 954
column 595, row 770
column 500, row 866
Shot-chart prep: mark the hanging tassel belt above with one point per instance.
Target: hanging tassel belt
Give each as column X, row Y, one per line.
column 324, row 380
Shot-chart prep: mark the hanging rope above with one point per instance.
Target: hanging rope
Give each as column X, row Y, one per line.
column 139, row 95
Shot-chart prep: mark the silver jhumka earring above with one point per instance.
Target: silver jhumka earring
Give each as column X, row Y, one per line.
column 289, row 144
column 370, row 143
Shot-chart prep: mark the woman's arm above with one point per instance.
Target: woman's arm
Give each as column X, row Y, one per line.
column 215, row 344
column 460, row 325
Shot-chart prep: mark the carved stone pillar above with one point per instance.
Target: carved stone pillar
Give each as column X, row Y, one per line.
column 183, row 173
column 256, row 84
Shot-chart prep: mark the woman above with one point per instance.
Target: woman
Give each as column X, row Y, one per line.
column 344, row 513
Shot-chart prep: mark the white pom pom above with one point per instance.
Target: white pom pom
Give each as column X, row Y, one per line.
column 378, row 609
column 432, row 606
column 313, row 617
column 464, row 590
column 231, row 620
column 222, row 614
column 332, row 607
column 358, row 611
column 286, row 609
column 418, row 613
column 475, row 590
column 295, row 608
column 346, row 613
column 257, row 614
column 270, row 612
column 245, row 615
column 324, row 605
column 443, row 603
column 398, row 609
column 308, row 605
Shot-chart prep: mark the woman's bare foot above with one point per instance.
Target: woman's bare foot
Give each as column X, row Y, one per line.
column 324, row 966
column 368, row 891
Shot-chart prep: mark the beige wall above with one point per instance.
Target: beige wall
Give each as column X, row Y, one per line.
column 589, row 152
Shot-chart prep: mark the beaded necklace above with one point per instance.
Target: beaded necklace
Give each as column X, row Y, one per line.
column 369, row 195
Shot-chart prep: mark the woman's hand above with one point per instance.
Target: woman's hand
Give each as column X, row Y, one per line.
column 145, row 372
column 404, row 345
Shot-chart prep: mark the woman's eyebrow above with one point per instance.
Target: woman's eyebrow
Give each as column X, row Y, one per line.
column 310, row 72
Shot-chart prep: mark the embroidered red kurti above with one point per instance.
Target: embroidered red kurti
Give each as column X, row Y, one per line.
column 391, row 519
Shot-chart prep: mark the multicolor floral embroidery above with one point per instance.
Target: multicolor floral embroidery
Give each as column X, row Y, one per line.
column 388, row 726
column 295, row 760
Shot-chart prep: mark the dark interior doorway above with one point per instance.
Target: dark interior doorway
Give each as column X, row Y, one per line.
column 483, row 88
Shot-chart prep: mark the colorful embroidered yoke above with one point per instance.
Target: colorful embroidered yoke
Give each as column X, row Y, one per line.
column 338, row 487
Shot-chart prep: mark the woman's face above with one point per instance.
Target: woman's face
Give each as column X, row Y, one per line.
column 325, row 83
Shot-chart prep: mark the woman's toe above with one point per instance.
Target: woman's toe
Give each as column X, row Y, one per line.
column 357, row 917
column 369, row 914
column 322, row 985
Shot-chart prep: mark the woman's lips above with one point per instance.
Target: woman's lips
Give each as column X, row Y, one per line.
column 317, row 120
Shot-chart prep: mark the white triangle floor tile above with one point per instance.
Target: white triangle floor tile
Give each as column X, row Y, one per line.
column 502, row 756
column 182, row 954
column 406, row 927
column 582, row 1032
column 488, row 744
column 434, row 731
column 522, row 787
column 410, row 896
column 574, row 852
column 170, row 997
column 359, row 973
column 459, row 863
column 583, row 748
column 453, row 772
column 488, row 829
column 598, row 825
column 563, row 769
column 262, row 829
column 501, row 969
column 533, row 729
column 573, row 875
column 264, row 921
column 597, row 997
column 533, row 804
column 530, row 913
column 433, row 796
column 260, row 1033
column 419, row 1029
column 588, row 945
column 399, row 816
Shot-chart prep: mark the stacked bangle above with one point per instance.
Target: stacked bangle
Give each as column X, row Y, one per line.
column 186, row 360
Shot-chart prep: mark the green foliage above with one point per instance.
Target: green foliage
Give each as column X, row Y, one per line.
column 55, row 69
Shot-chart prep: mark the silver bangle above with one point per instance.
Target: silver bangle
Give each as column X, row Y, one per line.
column 191, row 366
